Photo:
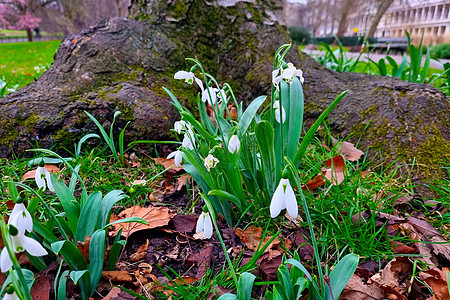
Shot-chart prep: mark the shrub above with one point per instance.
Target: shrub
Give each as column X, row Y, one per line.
column 299, row 34
column 441, row 51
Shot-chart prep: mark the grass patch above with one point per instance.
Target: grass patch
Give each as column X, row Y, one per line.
column 18, row 61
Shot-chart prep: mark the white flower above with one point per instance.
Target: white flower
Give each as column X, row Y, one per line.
column 177, row 157
column 181, row 125
column 209, row 95
column 188, row 141
column 204, row 224
column 221, row 94
column 210, row 162
column 12, row 296
column 20, row 243
column 188, row 77
column 276, row 78
column 291, row 71
column 21, row 218
column 284, row 197
column 279, row 119
column 234, row 144
column 40, row 181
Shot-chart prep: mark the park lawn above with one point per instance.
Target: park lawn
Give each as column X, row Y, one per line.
column 17, row 61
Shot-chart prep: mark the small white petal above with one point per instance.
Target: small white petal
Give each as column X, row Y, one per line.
column 199, row 83
column 277, row 203
column 40, row 182
column 234, row 144
column 200, row 223
column 283, row 115
column 177, row 157
column 290, row 201
column 32, row 246
column 12, row 296
column 187, row 143
column 209, row 95
column 5, row 261
column 300, row 75
column 208, row 227
column 49, row 181
column 187, row 76
column 21, row 218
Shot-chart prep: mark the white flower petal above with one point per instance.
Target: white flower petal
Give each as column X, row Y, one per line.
column 21, row 218
column 209, row 95
column 5, row 261
column 12, row 296
column 40, row 182
column 177, row 157
column 49, row 181
column 200, row 223
column 208, row 227
column 187, row 143
column 187, row 76
column 32, row 246
column 290, row 201
column 283, row 115
column 234, row 144
column 300, row 75
column 199, row 83
column 277, row 203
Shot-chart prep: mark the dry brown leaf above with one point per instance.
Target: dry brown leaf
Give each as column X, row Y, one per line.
column 114, row 292
column 84, row 247
column 155, row 216
column 392, row 277
column 251, row 236
column 140, row 253
column 41, row 288
column 348, row 150
column 139, row 182
column 441, row 249
column 117, row 276
column 32, row 173
column 181, row 181
column 335, row 171
column 437, row 280
column 423, row 227
column 356, row 289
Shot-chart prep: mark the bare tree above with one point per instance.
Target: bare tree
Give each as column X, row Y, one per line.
column 348, row 6
column 381, row 10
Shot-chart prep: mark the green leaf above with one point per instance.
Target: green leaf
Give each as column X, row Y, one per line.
column 41, row 230
column 295, row 117
column 249, row 114
column 310, row 134
column 121, row 138
column 96, row 257
column 61, row 295
column 83, row 279
column 48, row 160
column 285, row 281
column 426, row 66
column 82, row 140
column 73, row 179
column 13, row 193
column 68, row 202
column 264, row 135
column 89, row 220
column 108, row 202
column 72, row 256
column 228, row 296
column 303, row 269
column 225, row 195
column 175, row 101
column 245, row 285
column 341, row 274
column 114, row 252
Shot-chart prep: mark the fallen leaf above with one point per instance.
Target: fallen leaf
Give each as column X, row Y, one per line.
column 167, row 163
column 251, row 236
column 315, row 182
column 336, row 169
column 348, row 150
column 202, row 259
column 181, row 181
column 41, row 288
column 441, row 247
column 32, row 173
column 114, row 292
column 139, row 182
column 393, row 278
column 184, row 223
column 437, row 280
column 155, row 216
column 423, row 227
column 269, row 267
column 140, row 253
column 84, row 247
column 117, row 276
column 356, row 289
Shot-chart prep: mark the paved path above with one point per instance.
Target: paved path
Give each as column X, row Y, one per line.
column 376, row 57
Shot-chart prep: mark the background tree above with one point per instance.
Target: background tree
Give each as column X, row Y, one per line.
column 383, row 6
column 18, row 15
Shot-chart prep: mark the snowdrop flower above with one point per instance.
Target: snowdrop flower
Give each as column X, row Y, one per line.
column 182, row 125
column 277, row 106
column 204, row 224
column 211, row 162
column 10, row 294
column 177, row 157
column 284, row 197
column 41, row 176
column 206, row 95
column 234, row 144
column 277, row 77
column 20, row 243
column 188, row 77
column 21, row 218
column 289, row 73
column 221, row 94
column 188, row 141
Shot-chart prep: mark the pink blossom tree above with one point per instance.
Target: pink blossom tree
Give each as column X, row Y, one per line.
column 17, row 14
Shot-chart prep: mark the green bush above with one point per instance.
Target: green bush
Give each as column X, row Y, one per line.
column 300, row 35
column 441, row 51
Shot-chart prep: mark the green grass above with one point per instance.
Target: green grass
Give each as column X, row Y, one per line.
column 17, row 61
column 22, row 33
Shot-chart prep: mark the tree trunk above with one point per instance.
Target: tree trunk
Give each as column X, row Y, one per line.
column 122, row 64
column 345, row 11
column 382, row 8
column 29, row 34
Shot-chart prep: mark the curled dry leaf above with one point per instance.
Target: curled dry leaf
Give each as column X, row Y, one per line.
column 394, row 277
column 140, row 253
column 155, row 216
column 437, row 280
column 252, row 235
column 348, row 150
column 356, row 289
column 114, row 292
column 32, row 173
column 117, row 276
column 166, row 163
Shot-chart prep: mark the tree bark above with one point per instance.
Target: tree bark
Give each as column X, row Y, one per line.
column 122, row 64
column 382, row 8
column 345, row 11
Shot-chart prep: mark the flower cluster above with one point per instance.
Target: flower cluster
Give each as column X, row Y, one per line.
column 287, row 74
column 209, row 94
column 19, row 223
